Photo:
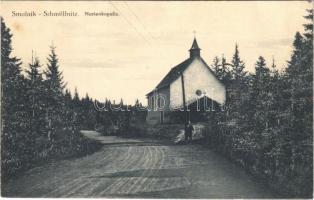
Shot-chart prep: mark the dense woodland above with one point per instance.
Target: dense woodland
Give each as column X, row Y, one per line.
column 41, row 119
column 266, row 126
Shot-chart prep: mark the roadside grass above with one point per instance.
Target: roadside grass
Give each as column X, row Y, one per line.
column 65, row 144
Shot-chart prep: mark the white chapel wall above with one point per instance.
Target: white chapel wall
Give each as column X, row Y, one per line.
column 197, row 77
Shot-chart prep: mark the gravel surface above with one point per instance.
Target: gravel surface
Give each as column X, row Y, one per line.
column 139, row 169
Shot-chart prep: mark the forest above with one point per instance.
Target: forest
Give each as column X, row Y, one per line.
column 266, row 126
column 41, row 119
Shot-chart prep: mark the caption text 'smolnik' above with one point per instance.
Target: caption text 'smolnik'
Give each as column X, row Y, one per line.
column 62, row 14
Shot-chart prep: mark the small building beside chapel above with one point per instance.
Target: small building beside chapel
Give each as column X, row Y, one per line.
column 200, row 84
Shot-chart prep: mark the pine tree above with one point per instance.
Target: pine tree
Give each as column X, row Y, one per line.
column 300, row 73
column 274, row 71
column 13, row 106
column 296, row 55
column 309, row 26
column 261, row 70
column 11, row 78
column 69, row 113
column 217, row 68
column 295, row 139
column 76, row 98
column 77, row 104
column 275, row 93
column 237, row 71
column 35, row 87
column 226, row 74
column 260, row 95
column 221, row 70
column 53, row 74
column 54, row 94
column 68, row 98
column 88, row 113
column 36, row 102
column 237, row 90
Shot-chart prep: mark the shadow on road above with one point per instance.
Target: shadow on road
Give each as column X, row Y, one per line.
column 148, row 173
column 140, row 168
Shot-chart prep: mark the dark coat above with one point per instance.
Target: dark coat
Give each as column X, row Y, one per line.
column 189, row 129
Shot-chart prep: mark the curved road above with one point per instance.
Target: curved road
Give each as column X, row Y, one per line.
column 139, row 168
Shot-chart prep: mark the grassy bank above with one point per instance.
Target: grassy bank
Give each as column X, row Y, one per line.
column 65, row 144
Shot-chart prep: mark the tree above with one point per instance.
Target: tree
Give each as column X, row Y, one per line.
column 54, row 76
column 76, row 106
column 261, row 70
column 296, row 55
column 217, row 68
column 69, row 112
column 36, row 105
column 237, row 90
column 274, row 71
column 221, row 70
column 14, row 115
column 76, row 98
column 294, row 142
column 237, row 70
column 226, row 74
column 260, row 95
column 35, row 90
column 54, row 93
column 11, row 78
column 88, row 113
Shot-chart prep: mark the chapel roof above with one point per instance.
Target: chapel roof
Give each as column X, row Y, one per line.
column 174, row 73
column 194, row 45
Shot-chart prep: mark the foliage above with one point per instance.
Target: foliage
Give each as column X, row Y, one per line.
column 267, row 126
column 40, row 118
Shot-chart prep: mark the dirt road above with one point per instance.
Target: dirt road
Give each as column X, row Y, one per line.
column 139, row 168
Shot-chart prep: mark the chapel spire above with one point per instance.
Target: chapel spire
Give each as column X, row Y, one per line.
column 195, row 51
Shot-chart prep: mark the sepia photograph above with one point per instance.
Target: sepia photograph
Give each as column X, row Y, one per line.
column 157, row 99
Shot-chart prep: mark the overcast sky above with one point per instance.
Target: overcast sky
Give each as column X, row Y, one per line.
column 126, row 56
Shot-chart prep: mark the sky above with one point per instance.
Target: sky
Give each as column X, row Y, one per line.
column 126, row 56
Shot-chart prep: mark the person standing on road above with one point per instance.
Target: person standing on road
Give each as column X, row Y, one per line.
column 189, row 132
